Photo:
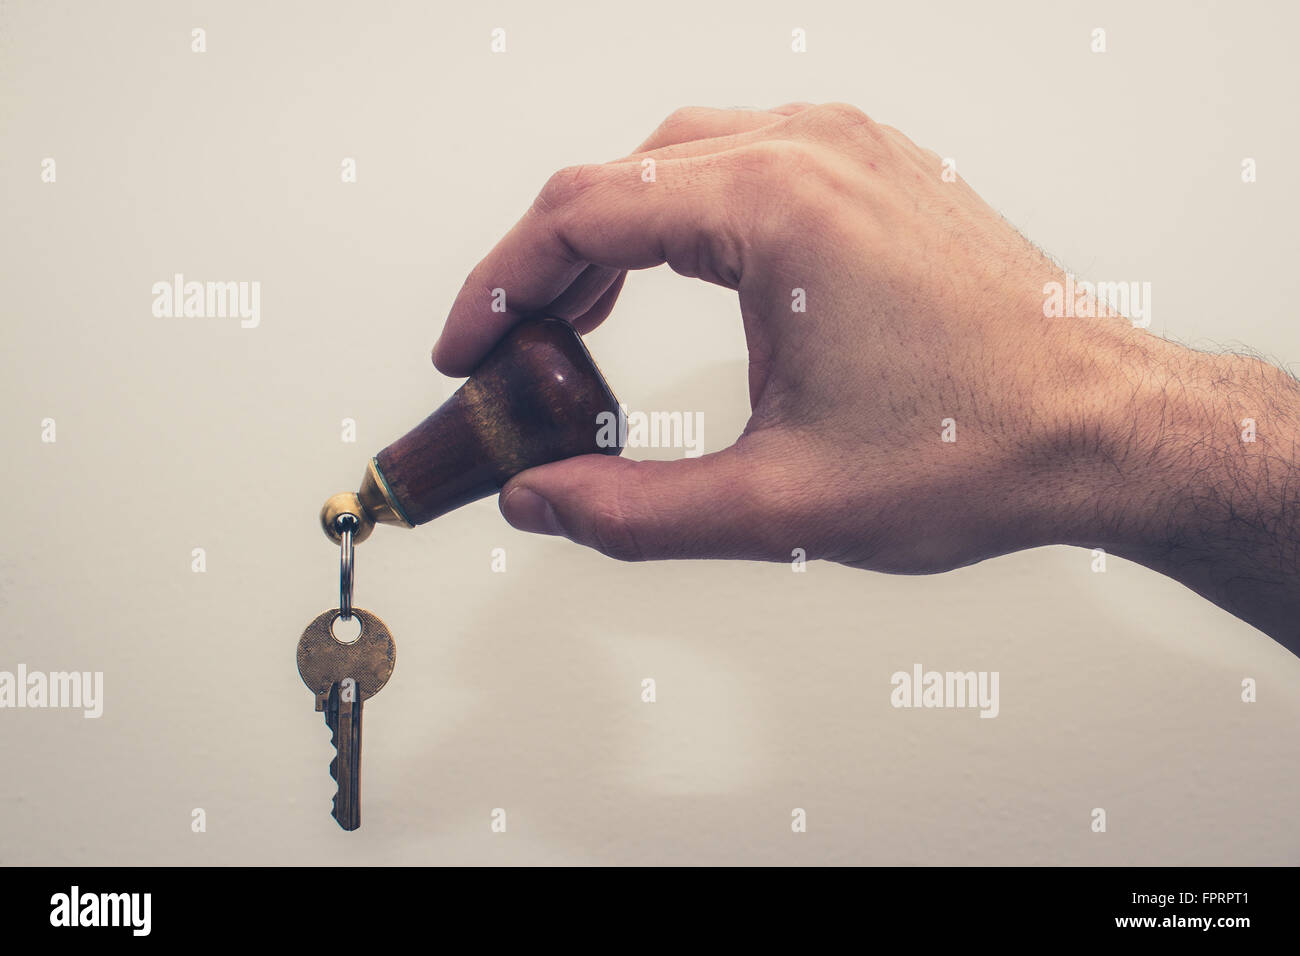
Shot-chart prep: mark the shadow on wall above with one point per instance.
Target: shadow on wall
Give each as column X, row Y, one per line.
column 737, row 736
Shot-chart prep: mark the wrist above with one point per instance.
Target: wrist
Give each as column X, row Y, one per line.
column 1195, row 473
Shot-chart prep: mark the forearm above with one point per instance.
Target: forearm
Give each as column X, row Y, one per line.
column 1200, row 473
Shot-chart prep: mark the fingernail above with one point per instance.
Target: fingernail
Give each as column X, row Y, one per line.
column 529, row 511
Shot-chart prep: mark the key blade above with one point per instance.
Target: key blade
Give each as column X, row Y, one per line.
column 343, row 717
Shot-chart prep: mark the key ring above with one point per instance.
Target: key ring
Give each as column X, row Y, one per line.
column 346, row 524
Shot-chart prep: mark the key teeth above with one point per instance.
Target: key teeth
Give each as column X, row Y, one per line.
column 333, row 722
column 334, row 773
column 335, row 814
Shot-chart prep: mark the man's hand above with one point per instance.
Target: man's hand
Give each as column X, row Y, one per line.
column 922, row 306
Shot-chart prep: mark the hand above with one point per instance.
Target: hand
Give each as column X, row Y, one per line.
column 924, row 320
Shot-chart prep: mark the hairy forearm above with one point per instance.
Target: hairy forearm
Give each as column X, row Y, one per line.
column 1202, row 464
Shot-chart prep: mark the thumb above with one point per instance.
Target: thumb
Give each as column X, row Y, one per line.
column 706, row 507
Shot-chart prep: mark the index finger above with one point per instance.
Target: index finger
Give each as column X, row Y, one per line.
column 605, row 215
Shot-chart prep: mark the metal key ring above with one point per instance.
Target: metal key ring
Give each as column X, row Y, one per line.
column 346, row 524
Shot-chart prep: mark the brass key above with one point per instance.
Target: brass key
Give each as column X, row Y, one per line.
column 537, row 397
column 342, row 676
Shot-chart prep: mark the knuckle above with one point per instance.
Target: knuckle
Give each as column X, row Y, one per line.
column 564, row 186
column 612, row 528
column 614, row 535
column 679, row 126
column 682, row 118
column 896, row 141
column 780, row 178
column 842, row 119
column 789, row 109
column 780, row 159
column 845, row 115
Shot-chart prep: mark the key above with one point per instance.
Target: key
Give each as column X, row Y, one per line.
column 342, row 676
column 343, row 716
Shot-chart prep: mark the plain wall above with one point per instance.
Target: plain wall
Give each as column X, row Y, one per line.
column 522, row 690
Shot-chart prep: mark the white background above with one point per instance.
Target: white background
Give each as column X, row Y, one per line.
column 522, row 690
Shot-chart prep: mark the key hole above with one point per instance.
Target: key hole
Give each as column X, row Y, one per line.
column 346, row 632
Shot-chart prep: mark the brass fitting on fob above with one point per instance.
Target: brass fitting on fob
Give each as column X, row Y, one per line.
column 371, row 505
column 537, row 397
